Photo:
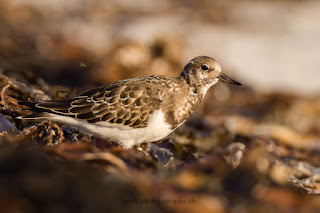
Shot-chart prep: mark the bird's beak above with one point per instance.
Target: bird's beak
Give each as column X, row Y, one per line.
column 226, row 79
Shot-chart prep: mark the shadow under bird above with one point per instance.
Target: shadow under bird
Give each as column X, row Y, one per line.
column 137, row 110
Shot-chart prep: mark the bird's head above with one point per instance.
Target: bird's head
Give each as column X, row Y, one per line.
column 204, row 71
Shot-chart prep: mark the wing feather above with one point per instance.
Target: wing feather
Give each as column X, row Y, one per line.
column 121, row 102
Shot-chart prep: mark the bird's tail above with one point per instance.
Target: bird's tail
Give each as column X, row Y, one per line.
column 36, row 116
column 31, row 105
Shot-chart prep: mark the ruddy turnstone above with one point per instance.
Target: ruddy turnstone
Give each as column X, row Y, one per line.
column 136, row 110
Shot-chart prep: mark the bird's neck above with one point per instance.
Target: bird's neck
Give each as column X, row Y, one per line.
column 194, row 83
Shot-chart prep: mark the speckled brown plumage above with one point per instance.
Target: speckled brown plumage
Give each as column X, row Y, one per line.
column 132, row 102
column 124, row 102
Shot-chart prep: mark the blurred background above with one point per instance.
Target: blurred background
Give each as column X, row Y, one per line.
column 269, row 45
column 254, row 148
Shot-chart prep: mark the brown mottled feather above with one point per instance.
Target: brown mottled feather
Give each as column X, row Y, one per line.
column 124, row 102
column 131, row 102
column 159, row 103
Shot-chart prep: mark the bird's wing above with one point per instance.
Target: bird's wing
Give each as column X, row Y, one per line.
column 127, row 104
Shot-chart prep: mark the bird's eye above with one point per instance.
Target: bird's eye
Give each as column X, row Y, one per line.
column 204, row 67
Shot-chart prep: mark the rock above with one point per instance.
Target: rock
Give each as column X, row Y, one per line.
column 7, row 127
column 233, row 154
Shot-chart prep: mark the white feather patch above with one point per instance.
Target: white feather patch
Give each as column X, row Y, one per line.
column 127, row 136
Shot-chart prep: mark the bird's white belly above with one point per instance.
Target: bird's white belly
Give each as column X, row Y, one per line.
column 127, row 136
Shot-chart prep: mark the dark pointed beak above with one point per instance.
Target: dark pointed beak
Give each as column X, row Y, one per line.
column 226, row 79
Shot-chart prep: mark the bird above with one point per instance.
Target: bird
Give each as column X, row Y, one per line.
column 137, row 110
